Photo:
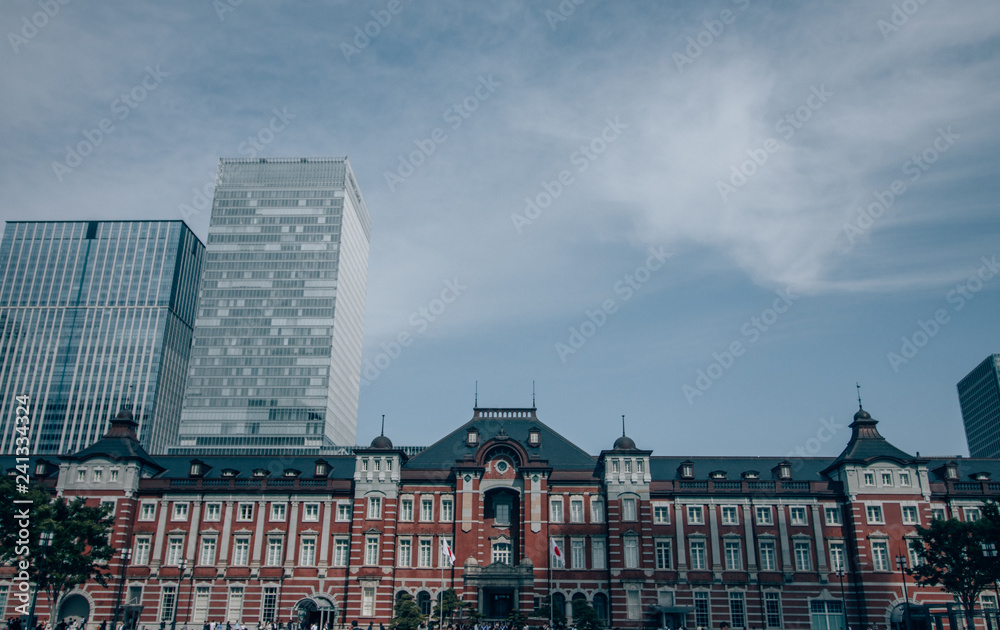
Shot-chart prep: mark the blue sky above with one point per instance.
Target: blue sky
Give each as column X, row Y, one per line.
column 610, row 199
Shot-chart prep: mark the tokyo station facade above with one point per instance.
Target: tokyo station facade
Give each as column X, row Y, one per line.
column 649, row 541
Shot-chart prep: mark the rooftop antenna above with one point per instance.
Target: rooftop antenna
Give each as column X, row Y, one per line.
column 623, row 425
column 383, row 425
column 532, row 394
column 476, row 403
column 858, row 385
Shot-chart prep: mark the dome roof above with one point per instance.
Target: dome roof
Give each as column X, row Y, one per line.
column 624, row 443
column 862, row 415
column 381, row 442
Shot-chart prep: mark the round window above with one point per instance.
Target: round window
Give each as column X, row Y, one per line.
column 502, row 466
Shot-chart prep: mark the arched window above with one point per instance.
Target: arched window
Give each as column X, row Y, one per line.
column 424, row 602
column 601, row 606
column 559, row 607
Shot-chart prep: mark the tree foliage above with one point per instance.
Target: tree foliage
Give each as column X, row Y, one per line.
column 407, row 613
column 80, row 547
column 955, row 557
column 585, row 617
column 449, row 601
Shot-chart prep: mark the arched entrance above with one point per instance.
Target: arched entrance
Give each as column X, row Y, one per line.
column 318, row 609
column 74, row 606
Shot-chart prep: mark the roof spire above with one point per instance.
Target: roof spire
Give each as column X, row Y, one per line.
column 476, row 403
column 383, row 425
column 858, row 385
column 532, row 393
column 623, row 425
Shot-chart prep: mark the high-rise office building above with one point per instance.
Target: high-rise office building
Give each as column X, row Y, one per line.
column 95, row 315
column 979, row 397
column 276, row 362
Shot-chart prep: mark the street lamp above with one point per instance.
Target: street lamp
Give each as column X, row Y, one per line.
column 44, row 542
column 177, row 596
column 126, row 556
column 901, row 565
column 843, row 598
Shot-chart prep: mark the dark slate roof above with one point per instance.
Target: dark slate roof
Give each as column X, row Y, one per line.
column 177, row 466
column 967, row 467
column 118, row 444
column 867, row 444
column 803, row 468
column 557, row 451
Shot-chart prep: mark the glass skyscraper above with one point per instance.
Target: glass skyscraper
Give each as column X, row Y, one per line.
column 93, row 315
column 276, row 362
column 979, row 398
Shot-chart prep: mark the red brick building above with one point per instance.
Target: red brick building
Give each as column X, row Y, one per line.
column 649, row 541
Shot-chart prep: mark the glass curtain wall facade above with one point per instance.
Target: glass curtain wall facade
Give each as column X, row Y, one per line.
column 979, row 398
column 93, row 315
column 276, row 361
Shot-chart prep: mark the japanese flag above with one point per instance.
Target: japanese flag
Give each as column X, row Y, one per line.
column 446, row 552
column 557, row 554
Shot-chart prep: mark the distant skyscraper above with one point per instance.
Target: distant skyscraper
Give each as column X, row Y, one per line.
column 92, row 313
column 979, row 397
column 276, row 362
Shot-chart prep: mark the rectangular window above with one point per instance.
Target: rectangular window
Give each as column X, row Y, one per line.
column 241, row 552
column 904, row 478
column 311, row 513
column 874, row 513
column 633, row 604
column 140, row 556
column 307, row 552
column 234, row 608
column 175, row 547
column 576, row 510
column 556, row 510
column 244, row 512
column 628, row 466
column 880, row 555
column 833, row 515
column 628, row 509
column 113, row 474
column 910, row 515
column 278, row 512
column 661, row 514
column 972, row 514
column 368, row 600
column 578, row 553
column 937, row 514
column 662, row 554
column 273, row 557
column 425, row 553
column 341, row 551
column 98, row 475
column 213, row 512
column 765, row 516
column 443, row 559
column 737, row 609
column 597, row 553
column 180, row 512
column 501, row 513
column 987, row 601
column 913, row 551
column 168, row 601
column 730, row 516
column 597, row 511
column 147, row 512
column 772, row 609
column 698, row 555
column 375, row 508
column 803, row 562
column 207, row 556
column 406, row 509
column 797, row 515
column 201, row 599
column 134, row 597
column 702, row 615
column 371, row 549
column 887, row 478
column 631, row 552
column 269, row 604
column 405, row 553
column 447, row 510
column 768, row 561
column 378, row 464
column 826, row 614
column 344, row 511
column 81, row 475
column 427, row 509
column 869, row 479
column 695, row 515
column 364, row 465
column 734, row 557
column 838, row 559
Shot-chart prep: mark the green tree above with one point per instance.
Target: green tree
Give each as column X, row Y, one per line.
column 407, row 613
column 544, row 611
column 584, row 615
column 953, row 559
column 80, row 547
column 449, row 600
column 517, row 620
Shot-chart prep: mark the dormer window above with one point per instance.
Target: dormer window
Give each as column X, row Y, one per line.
column 981, row 476
column 291, row 472
column 751, row 474
column 260, row 472
column 784, row 470
column 472, row 437
column 687, row 470
column 534, row 437
column 229, row 472
column 951, row 471
column 717, row 474
column 196, row 469
column 41, row 468
column 320, row 469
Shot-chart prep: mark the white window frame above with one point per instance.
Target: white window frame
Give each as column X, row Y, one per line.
column 761, row 510
column 913, row 510
column 661, row 513
column 838, row 555
column 310, row 512
column 556, row 510
column 630, row 551
column 147, row 511
column 274, row 551
column 630, row 509
column 695, row 515
column 213, row 512
column 798, row 515
column 802, row 555
column 596, row 511
column 244, row 512
column 341, row 551
column 874, row 514
column 180, row 511
column 576, row 510
column 880, row 555
column 374, row 511
column 279, row 512
column 732, row 554
column 702, row 564
column 307, row 551
column 768, row 559
column 405, row 553
column 868, row 478
column 241, row 551
column 140, row 555
column 447, row 509
column 598, row 553
column 426, row 509
column 175, row 550
column 406, row 509
column 345, row 510
column 832, row 515
column 665, row 545
column 207, row 553
column 730, row 515
column 372, row 545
